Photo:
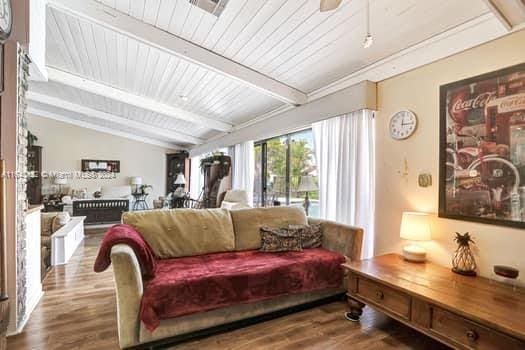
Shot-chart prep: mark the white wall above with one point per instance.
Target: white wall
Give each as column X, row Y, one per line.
column 64, row 146
column 418, row 90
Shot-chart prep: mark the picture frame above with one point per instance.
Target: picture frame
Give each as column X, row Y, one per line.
column 482, row 148
column 98, row 165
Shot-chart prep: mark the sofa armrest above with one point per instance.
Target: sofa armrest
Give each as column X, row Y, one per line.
column 344, row 239
column 128, row 280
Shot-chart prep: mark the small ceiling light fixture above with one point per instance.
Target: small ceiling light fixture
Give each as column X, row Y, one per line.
column 184, row 98
column 369, row 39
column 215, row 7
column 329, row 5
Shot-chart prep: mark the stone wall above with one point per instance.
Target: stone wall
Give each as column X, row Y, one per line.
column 21, row 184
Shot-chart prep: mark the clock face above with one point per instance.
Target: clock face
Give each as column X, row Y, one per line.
column 6, row 19
column 402, row 125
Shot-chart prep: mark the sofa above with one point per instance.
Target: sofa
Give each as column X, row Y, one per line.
column 160, row 280
column 116, row 192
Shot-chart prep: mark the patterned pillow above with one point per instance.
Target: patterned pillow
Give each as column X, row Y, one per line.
column 311, row 235
column 61, row 219
column 56, row 224
column 280, row 240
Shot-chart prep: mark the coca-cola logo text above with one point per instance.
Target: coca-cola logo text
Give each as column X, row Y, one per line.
column 479, row 101
column 512, row 103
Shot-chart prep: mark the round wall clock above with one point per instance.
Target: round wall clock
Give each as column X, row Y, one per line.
column 6, row 19
column 402, row 125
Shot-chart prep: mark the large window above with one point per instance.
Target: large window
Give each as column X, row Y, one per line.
column 286, row 172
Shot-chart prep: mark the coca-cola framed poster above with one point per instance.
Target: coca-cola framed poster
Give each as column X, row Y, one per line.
column 482, row 148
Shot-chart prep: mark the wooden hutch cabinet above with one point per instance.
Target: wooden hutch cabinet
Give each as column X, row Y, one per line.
column 177, row 163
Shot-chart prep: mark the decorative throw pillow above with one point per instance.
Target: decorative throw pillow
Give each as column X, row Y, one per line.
column 59, row 220
column 311, row 235
column 56, row 225
column 63, row 217
column 280, row 240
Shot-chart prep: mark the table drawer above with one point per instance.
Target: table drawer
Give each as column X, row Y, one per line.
column 388, row 298
column 470, row 334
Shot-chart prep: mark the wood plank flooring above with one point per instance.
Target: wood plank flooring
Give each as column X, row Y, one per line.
column 78, row 311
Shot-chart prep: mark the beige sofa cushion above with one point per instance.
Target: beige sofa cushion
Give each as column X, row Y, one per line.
column 184, row 232
column 248, row 222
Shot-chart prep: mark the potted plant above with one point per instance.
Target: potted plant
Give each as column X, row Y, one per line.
column 31, row 139
column 216, row 158
column 145, row 189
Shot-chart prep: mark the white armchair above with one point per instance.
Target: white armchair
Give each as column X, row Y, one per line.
column 235, row 199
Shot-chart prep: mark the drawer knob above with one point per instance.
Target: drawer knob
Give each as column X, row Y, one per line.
column 380, row 295
column 472, row 335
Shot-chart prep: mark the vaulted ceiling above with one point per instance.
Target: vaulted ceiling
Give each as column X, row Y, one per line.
column 168, row 72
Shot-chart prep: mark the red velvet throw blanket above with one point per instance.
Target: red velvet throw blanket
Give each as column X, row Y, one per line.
column 125, row 234
column 188, row 285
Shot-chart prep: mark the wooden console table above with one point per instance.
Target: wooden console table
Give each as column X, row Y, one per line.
column 460, row 311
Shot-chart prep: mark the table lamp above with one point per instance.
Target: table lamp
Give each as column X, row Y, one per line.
column 60, row 181
column 180, row 184
column 137, row 182
column 307, row 184
column 180, row 180
column 415, row 227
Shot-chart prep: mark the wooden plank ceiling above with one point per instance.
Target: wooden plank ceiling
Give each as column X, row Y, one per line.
column 290, row 41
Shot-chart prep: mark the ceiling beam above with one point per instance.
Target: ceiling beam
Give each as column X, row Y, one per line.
column 510, row 13
column 90, row 112
column 146, row 103
column 117, row 21
column 499, row 15
column 66, row 119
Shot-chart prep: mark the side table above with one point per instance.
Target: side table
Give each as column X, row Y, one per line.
column 139, row 201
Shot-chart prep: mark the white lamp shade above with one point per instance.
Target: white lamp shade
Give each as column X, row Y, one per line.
column 415, row 227
column 136, row 180
column 307, row 184
column 60, row 180
column 180, row 180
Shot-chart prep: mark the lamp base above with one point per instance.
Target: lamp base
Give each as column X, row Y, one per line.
column 414, row 253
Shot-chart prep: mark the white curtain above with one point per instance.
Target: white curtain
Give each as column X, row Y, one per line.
column 196, row 177
column 345, row 157
column 243, row 171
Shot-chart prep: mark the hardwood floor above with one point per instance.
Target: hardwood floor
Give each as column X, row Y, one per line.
column 78, row 311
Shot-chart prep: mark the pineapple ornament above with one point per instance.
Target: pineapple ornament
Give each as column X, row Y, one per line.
column 463, row 262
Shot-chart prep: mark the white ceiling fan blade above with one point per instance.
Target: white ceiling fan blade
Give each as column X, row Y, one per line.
column 329, row 5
